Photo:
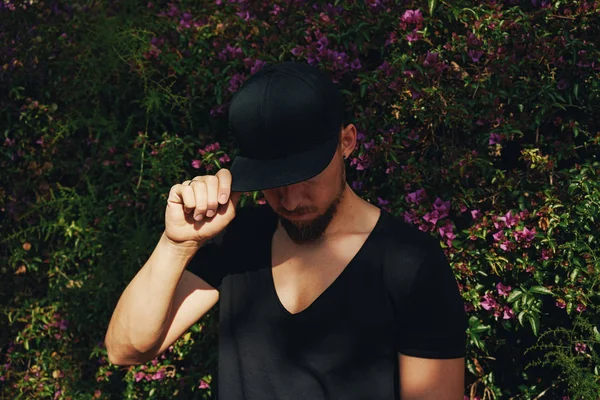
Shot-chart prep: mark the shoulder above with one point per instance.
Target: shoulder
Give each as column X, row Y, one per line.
column 401, row 239
column 408, row 254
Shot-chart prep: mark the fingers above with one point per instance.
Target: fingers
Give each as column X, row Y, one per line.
column 212, row 190
column 203, row 195
column 188, row 198
column 200, row 196
column 224, row 190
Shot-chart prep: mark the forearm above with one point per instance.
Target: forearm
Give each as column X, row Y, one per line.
column 141, row 315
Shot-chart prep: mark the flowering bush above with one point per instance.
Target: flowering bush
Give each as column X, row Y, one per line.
column 477, row 123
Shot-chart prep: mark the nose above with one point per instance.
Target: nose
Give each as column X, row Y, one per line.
column 289, row 197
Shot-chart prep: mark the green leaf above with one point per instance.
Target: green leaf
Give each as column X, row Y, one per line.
column 574, row 274
column 514, row 295
column 535, row 324
column 521, row 316
column 432, row 5
column 540, row 290
column 480, row 328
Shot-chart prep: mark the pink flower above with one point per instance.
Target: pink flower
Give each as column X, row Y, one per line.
column 416, row 197
column 431, row 217
column 503, row 290
column 494, row 139
column 508, row 313
column 509, row 219
column 546, row 254
column 498, row 236
column 412, row 17
column 526, row 235
column 475, row 214
column 139, row 376
column 580, row 347
column 413, row 37
column 410, row 216
column 196, row 163
column 159, row 375
column 443, row 207
column 581, row 308
column 203, row 384
column 560, row 303
column 447, row 230
column 488, row 303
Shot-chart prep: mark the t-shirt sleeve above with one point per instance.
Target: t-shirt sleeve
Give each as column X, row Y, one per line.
column 430, row 315
column 211, row 261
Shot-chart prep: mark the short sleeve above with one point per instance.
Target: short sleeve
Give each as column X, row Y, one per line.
column 211, row 261
column 431, row 318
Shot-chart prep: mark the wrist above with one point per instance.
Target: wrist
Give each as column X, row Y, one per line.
column 183, row 249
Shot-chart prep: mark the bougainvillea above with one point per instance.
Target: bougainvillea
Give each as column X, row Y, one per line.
column 477, row 123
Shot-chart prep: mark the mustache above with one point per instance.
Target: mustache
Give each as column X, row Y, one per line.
column 297, row 212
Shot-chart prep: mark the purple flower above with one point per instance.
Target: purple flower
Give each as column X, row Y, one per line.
column 139, row 376
column 410, row 217
column 580, row 347
column 475, row 214
column 430, row 58
column 560, row 303
column 297, row 50
column 495, row 138
column 382, row 202
column 488, row 302
column 498, row 236
column 413, row 37
column 447, row 231
column 355, row 64
column 258, row 65
column 562, row 84
column 509, row 219
column 581, row 308
column 441, row 206
column 432, row 217
column 503, row 290
column 508, row 313
column 525, row 235
column 159, row 375
column 506, row 245
column 412, row 17
column 196, row 163
column 416, row 197
column 546, row 254
column 63, row 325
column 475, row 55
column 235, row 82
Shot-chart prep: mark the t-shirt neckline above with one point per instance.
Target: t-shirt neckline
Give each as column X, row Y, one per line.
column 311, row 306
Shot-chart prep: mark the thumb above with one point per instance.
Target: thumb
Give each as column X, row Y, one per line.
column 235, row 198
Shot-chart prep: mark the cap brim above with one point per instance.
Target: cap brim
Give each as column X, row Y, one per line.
column 260, row 174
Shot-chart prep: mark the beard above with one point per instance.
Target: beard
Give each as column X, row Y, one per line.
column 311, row 231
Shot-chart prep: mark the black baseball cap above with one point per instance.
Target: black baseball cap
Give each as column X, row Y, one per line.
column 286, row 120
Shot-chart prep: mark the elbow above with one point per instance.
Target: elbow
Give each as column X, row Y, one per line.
column 121, row 355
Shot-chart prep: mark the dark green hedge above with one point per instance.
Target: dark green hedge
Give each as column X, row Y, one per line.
column 478, row 122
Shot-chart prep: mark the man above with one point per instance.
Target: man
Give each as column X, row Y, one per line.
column 322, row 294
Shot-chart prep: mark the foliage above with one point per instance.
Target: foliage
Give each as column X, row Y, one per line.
column 477, row 123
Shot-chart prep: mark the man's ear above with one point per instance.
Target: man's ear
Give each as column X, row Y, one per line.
column 348, row 140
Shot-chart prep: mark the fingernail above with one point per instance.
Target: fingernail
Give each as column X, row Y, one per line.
column 210, row 213
column 223, row 198
column 198, row 217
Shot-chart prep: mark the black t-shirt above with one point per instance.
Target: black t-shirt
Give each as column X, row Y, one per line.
column 397, row 295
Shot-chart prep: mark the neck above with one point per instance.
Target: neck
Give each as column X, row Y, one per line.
column 350, row 214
